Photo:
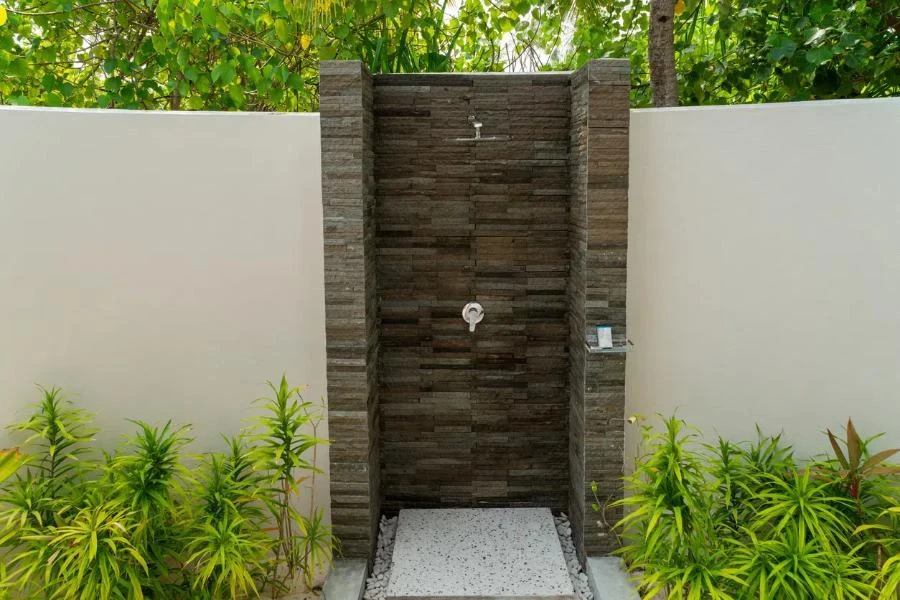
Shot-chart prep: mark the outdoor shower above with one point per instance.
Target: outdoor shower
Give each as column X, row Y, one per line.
column 477, row 124
column 423, row 221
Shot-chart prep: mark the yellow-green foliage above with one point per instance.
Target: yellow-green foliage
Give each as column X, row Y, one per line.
column 746, row 521
column 148, row 520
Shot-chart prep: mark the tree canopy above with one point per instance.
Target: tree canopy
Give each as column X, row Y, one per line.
column 263, row 54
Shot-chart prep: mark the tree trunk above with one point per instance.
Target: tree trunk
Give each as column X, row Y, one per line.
column 662, row 53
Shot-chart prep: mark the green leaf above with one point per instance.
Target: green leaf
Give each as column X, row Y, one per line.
column 159, row 43
column 327, row 52
column 222, row 25
column 295, row 82
column 820, row 55
column 10, row 461
column 281, row 30
column 237, row 94
column 782, row 47
column 223, row 73
column 820, row 9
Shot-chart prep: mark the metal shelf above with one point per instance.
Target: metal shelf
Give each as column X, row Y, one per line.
column 616, row 349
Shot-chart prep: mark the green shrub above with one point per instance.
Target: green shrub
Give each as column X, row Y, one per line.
column 280, row 448
column 746, row 521
column 151, row 520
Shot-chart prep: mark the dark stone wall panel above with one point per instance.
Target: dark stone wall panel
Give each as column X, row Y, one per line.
column 598, row 230
column 351, row 327
column 423, row 413
column 473, row 419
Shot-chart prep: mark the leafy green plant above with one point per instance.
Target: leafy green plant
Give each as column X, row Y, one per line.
column 790, row 565
column 228, row 548
column 148, row 477
column 804, row 506
column 10, row 461
column 858, row 469
column 745, row 521
column 143, row 524
column 89, row 558
column 317, row 543
column 889, row 574
column 227, row 556
column 884, row 536
column 281, row 448
column 58, row 434
column 666, row 496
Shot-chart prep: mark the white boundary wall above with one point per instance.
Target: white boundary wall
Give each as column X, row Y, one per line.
column 159, row 265
column 163, row 265
column 764, row 268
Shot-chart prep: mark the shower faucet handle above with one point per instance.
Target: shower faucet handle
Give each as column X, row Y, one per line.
column 473, row 313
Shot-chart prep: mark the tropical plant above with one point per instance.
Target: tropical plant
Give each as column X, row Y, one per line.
column 10, row 461
column 889, row 574
column 740, row 51
column 226, row 556
column 148, row 478
column 744, row 521
column 800, row 504
column 736, row 471
column 228, row 54
column 858, row 472
column 141, row 523
column 281, row 448
column 233, row 55
column 667, row 523
column 57, row 436
column 91, row 557
column 227, row 547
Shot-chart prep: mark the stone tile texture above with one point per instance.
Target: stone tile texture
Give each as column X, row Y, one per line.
column 478, row 554
column 479, row 418
column 348, row 196
column 598, row 237
column 423, row 413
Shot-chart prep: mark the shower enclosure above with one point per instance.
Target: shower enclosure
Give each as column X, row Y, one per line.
column 475, row 224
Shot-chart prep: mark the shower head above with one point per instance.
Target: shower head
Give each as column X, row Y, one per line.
column 477, row 124
column 480, row 138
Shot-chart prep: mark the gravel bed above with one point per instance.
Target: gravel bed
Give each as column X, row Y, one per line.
column 576, row 573
column 376, row 583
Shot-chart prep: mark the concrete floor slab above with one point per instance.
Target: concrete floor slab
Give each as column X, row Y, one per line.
column 346, row 581
column 609, row 579
column 478, row 554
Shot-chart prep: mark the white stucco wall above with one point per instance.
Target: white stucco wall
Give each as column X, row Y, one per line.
column 159, row 265
column 764, row 268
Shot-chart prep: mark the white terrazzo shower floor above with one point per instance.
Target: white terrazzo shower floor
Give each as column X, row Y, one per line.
column 478, row 554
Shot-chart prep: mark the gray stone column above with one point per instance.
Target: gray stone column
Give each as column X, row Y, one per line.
column 598, row 236
column 348, row 197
